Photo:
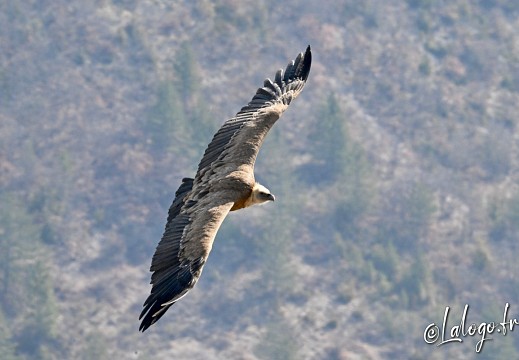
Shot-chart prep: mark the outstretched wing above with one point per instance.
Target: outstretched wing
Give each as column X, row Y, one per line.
column 201, row 204
column 239, row 139
column 181, row 254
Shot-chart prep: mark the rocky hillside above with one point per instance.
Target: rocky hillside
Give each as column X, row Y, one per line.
column 396, row 177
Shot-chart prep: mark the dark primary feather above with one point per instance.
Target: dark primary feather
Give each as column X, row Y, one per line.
column 168, row 292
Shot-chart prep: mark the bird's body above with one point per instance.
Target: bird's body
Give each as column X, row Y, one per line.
column 224, row 182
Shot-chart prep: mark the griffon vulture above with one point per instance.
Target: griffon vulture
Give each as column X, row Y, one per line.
column 224, row 182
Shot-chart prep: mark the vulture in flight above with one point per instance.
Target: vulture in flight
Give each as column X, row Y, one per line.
column 223, row 182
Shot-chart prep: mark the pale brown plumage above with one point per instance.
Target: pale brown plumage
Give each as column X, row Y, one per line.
column 224, row 182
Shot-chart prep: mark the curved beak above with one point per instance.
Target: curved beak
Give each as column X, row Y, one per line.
column 272, row 197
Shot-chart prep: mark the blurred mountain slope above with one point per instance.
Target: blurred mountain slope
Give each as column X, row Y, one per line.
column 395, row 176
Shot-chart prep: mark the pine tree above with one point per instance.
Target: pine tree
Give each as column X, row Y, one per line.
column 27, row 295
column 7, row 345
column 329, row 139
column 18, row 242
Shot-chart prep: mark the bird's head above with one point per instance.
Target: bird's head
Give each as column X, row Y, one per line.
column 261, row 194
